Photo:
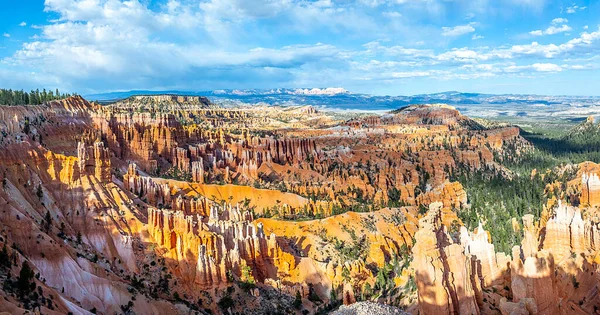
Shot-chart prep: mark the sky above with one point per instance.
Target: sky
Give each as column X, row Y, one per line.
column 382, row 47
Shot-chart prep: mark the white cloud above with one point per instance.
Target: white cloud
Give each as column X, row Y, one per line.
column 410, row 74
column 537, row 33
column 537, row 67
column 580, row 67
column 586, row 43
column 458, row 30
column 560, row 21
column 6, row 35
column 557, row 29
column 462, row 55
column 574, row 8
column 227, row 17
column 533, row 49
column 23, row 24
column 558, row 25
column 126, row 45
column 114, row 44
column 546, row 67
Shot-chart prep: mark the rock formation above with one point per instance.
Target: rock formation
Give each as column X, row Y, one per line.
column 132, row 206
column 548, row 280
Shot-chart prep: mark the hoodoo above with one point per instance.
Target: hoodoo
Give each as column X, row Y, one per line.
column 165, row 204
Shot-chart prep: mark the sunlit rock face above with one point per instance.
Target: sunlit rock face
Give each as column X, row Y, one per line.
column 491, row 266
column 590, row 194
column 582, row 188
column 443, row 271
column 183, row 206
column 556, row 275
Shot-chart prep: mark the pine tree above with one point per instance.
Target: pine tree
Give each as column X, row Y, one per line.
column 39, row 192
column 47, row 221
column 4, row 257
column 24, row 283
column 298, row 300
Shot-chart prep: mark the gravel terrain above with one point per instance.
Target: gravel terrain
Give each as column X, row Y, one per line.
column 368, row 308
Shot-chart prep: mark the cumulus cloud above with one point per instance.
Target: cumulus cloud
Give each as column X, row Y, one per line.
column 114, row 44
column 583, row 45
column 6, row 35
column 546, row 67
column 559, row 21
column 463, row 55
column 558, row 25
column 23, row 24
column 552, row 30
column 133, row 46
column 457, row 30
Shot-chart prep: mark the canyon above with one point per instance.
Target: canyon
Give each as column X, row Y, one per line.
column 173, row 204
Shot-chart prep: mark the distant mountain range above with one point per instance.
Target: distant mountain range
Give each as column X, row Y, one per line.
column 340, row 99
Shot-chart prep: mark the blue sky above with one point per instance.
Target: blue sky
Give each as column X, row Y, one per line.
column 393, row 47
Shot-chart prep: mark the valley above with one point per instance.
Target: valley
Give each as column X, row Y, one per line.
column 176, row 204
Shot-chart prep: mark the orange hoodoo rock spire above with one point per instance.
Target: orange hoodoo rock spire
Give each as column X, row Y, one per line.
column 94, row 160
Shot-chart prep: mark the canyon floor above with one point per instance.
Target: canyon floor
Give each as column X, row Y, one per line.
column 170, row 204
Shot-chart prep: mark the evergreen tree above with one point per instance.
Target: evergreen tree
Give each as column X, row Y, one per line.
column 47, row 221
column 34, row 97
column 298, row 300
column 24, row 284
column 39, row 192
column 4, row 257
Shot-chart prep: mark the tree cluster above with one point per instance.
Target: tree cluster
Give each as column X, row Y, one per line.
column 35, row 97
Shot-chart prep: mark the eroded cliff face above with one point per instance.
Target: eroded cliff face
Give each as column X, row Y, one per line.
column 554, row 271
column 76, row 229
column 577, row 185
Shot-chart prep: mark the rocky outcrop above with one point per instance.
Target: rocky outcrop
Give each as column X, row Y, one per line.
column 491, row 267
column 565, row 232
column 451, row 194
column 582, row 188
column 94, row 160
column 590, row 193
column 442, row 271
column 198, row 171
column 125, row 203
column 545, row 274
column 368, row 308
column 163, row 101
column 532, row 279
column 209, row 247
